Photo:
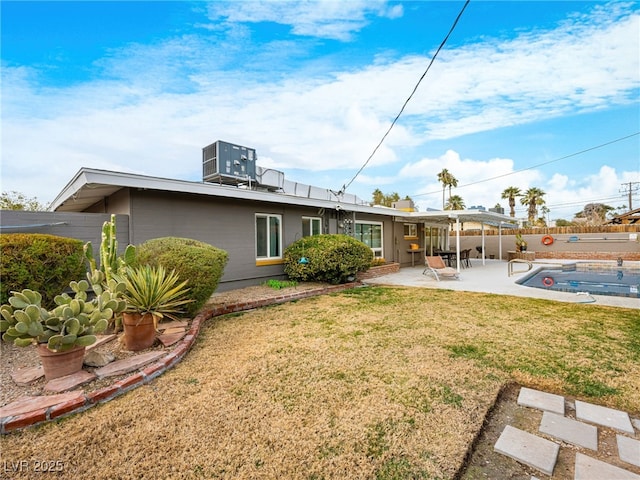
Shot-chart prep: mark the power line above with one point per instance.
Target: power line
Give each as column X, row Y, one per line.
column 602, row 145
column 344, row 187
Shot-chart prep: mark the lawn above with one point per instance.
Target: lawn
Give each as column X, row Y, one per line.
column 370, row 383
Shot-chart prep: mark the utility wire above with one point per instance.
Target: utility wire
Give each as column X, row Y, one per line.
column 602, row 145
column 344, row 187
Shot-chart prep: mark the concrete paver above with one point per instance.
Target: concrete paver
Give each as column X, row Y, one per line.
column 541, row 400
column 607, row 417
column 628, row 450
column 528, row 449
column 492, row 277
column 587, row 468
column 569, row 430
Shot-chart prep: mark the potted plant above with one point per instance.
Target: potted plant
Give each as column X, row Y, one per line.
column 61, row 334
column 151, row 293
column 521, row 244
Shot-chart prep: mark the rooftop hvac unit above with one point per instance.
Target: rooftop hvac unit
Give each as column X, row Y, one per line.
column 228, row 163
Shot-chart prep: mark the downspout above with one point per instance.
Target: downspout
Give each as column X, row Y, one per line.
column 500, row 239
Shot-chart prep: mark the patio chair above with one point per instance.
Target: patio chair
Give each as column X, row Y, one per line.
column 465, row 259
column 437, row 267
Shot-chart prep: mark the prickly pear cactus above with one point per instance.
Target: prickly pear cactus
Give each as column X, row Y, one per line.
column 75, row 321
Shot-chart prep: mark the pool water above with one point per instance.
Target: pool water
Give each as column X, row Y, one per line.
column 594, row 279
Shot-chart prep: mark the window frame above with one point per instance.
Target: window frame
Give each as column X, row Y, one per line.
column 312, row 220
column 378, row 252
column 412, row 234
column 269, row 258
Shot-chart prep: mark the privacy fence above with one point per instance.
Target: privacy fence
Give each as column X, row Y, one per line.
column 606, row 242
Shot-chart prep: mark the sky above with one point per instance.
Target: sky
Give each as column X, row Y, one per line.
column 522, row 94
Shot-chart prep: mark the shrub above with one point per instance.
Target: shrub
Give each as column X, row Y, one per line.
column 199, row 263
column 35, row 261
column 330, row 258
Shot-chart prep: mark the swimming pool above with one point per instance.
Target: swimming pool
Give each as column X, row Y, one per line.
column 597, row 279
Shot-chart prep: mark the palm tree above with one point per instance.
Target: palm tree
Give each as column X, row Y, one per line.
column 533, row 198
column 447, row 180
column 510, row 193
column 453, row 182
column 455, row 203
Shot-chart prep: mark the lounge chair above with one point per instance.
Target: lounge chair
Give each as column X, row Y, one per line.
column 437, row 267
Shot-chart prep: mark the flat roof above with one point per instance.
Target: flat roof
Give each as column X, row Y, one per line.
column 89, row 186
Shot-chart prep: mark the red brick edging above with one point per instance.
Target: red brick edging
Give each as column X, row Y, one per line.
column 85, row 401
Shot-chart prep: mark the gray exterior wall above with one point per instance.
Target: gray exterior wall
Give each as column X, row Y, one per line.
column 82, row 226
column 230, row 225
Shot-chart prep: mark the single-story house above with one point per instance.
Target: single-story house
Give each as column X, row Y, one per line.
column 255, row 220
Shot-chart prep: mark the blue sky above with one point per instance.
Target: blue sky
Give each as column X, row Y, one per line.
column 313, row 85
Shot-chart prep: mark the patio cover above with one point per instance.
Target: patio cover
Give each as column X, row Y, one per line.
column 442, row 218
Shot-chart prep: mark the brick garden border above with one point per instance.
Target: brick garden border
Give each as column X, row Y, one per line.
column 85, row 401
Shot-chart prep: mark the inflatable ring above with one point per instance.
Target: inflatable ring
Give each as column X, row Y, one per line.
column 547, row 240
column 548, row 282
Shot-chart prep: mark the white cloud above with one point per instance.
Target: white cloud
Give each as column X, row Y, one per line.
column 316, row 18
column 156, row 106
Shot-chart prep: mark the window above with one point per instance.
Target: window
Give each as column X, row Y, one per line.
column 311, row 226
column 410, row 230
column 371, row 235
column 268, row 238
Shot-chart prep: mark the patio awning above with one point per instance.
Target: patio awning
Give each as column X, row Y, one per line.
column 442, row 218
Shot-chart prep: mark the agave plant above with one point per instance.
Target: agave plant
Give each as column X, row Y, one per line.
column 154, row 290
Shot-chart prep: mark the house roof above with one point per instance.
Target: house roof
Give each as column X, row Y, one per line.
column 631, row 217
column 89, row 186
column 446, row 217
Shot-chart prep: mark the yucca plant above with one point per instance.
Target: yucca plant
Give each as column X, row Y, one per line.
column 154, row 290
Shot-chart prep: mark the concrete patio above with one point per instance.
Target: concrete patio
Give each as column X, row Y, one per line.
column 492, row 277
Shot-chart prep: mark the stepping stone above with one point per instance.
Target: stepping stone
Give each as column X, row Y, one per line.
column 541, row 400
column 588, row 468
column 29, row 404
column 172, row 324
column 569, row 430
column 102, row 339
column 528, row 449
column 27, row 375
column 607, row 417
column 629, row 450
column 127, row 365
column 168, row 339
column 68, row 382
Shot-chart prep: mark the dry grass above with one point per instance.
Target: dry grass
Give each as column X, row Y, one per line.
column 383, row 383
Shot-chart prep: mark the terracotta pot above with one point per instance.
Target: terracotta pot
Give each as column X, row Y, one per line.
column 60, row 364
column 139, row 331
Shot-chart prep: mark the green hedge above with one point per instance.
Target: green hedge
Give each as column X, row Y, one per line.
column 330, row 258
column 46, row 263
column 199, row 263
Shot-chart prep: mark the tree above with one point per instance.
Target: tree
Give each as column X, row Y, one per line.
column 594, row 213
column 17, row 201
column 378, row 197
column 386, row 200
column 455, row 203
column 510, row 193
column 533, row 199
column 447, row 180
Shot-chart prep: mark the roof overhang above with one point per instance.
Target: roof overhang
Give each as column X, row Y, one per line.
column 448, row 217
column 90, row 186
